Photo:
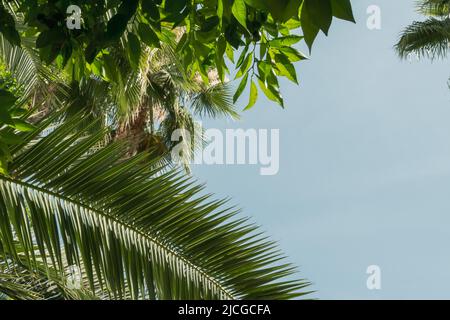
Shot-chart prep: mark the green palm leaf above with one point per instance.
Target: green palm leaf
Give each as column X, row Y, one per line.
column 38, row 83
column 428, row 38
column 12, row 289
column 135, row 231
column 437, row 8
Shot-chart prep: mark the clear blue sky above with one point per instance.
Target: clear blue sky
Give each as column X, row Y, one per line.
column 364, row 165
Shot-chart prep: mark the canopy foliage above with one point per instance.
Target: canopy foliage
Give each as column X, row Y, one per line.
column 213, row 31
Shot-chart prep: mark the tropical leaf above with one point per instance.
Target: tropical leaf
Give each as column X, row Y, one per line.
column 428, row 38
column 437, row 8
column 134, row 231
column 214, row 101
column 19, row 281
column 38, row 83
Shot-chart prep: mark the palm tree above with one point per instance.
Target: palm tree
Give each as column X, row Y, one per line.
column 145, row 106
column 429, row 38
column 142, row 106
column 131, row 226
column 132, row 230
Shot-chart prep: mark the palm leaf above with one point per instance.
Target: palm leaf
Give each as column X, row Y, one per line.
column 214, row 101
column 134, row 230
column 12, row 289
column 20, row 281
column 437, row 8
column 428, row 38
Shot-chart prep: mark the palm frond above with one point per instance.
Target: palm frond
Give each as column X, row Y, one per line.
column 429, row 39
column 20, row 281
column 215, row 101
column 11, row 288
column 38, row 83
column 133, row 230
column 435, row 8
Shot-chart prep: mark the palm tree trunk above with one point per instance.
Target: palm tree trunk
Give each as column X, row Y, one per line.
column 135, row 133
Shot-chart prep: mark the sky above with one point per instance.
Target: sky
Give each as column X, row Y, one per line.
column 364, row 174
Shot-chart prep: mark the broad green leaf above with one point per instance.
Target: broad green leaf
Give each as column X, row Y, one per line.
column 286, row 68
column 242, row 23
column 22, row 125
column 7, row 99
column 109, row 68
column 48, row 54
column 253, row 96
column 5, row 117
column 134, row 50
column 116, row 26
column 11, row 34
column 310, row 30
column 271, row 92
column 220, row 10
column 248, row 61
column 264, row 69
column 209, row 24
column 285, row 41
column 148, row 36
column 239, row 10
column 242, row 57
column 283, row 10
column 319, row 13
column 91, row 53
column 240, row 89
column 128, row 7
column 220, row 52
column 175, row 6
column 230, row 52
column 263, row 46
column 293, row 54
column 5, row 153
column 150, row 9
column 233, row 36
column 10, row 137
column 18, row 112
column 8, row 27
column 49, row 37
column 293, row 23
column 342, row 9
column 182, row 43
column 258, row 4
